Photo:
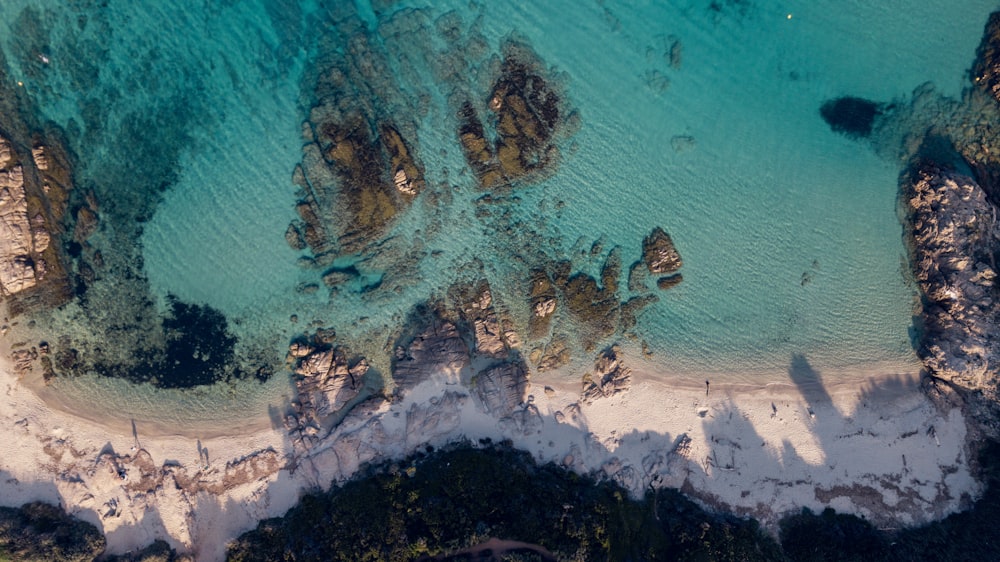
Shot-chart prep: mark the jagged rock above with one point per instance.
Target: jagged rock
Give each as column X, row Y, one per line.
column 475, row 302
column 543, row 304
column 439, row 348
column 986, row 71
column 664, row 283
column 502, row 388
column 659, row 253
column 610, row 376
column 33, row 196
column 953, row 228
column 326, row 383
column 554, row 355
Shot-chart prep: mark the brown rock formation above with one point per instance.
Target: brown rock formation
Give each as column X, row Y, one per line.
column 659, row 253
column 529, row 116
column 502, row 388
column 438, row 348
column 34, row 190
column 955, row 233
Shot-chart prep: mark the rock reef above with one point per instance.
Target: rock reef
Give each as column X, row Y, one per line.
column 34, row 190
column 529, row 117
column 955, row 238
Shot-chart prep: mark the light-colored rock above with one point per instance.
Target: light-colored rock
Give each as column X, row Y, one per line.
column 17, row 271
column 610, row 376
column 953, row 224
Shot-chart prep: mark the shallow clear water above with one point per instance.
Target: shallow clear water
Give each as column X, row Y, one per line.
column 758, row 194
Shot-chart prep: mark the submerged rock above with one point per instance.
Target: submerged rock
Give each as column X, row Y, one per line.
column 664, row 283
column 850, row 116
column 659, row 253
column 529, row 116
column 986, row 71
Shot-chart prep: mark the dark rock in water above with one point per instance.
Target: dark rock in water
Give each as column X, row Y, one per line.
column 529, row 115
column 850, row 116
column 610, row 376
column 664, row 283
column 637, row 277
column 986, row 71
column 659, row 253
column 596, row 307
column 631, row 308
column 295, row 238
column 502, row 388
column 543, row 304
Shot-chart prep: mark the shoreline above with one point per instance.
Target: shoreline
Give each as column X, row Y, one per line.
column 761, row 450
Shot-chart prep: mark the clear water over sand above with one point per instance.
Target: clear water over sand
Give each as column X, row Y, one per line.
column 788, row 231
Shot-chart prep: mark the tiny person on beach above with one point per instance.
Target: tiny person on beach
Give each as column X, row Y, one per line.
column 706, row 387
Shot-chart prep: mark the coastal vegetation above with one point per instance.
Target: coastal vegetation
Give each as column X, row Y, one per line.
column 441, row 505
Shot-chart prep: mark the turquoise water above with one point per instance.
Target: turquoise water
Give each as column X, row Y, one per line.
column 758, row 194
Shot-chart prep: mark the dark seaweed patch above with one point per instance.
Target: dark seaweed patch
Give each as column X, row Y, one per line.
column 199, row 345
column 850, row 116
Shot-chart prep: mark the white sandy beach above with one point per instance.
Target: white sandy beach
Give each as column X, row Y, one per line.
column 871, row 444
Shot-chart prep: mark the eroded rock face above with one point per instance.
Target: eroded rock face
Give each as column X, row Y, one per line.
column 326, row 382
column 986, row 72
column 610, row 376
column 439, row 348
column 33, row 196
column 955, row 234
column 502, row 388
column 475, row 303
column 659, row 253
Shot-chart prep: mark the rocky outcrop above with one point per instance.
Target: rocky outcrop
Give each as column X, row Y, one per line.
column 659, row 253
column 986, row 71
column 326, row 381
column 529, row 117
column 543, row 304
column 610, row 376
column 475, row 304
column 33, row 196
column 438, row 348
column 502, row 388
column 955, row 239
